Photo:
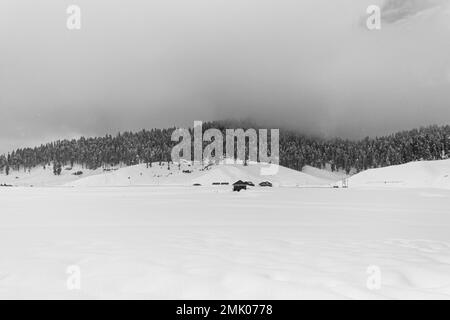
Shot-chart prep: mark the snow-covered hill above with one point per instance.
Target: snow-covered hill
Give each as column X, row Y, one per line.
column 420, row 174
column 284, row 176
column 166, row 174
column 327, row 174
column 141, row 175
column 187, row 175
column 40, row 176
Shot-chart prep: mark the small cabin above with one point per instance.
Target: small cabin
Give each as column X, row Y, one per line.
column 265, row 184
column 239, row 185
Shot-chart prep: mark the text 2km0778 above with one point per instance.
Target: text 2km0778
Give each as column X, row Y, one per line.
column 226, row 309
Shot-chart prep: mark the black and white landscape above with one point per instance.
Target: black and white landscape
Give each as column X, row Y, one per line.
column 93, row 204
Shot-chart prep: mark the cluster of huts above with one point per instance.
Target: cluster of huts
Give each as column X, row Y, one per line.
column 240, row 185
column 5, row 185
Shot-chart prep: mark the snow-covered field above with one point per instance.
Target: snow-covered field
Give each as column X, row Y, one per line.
column 206, row 242
column 138, row 232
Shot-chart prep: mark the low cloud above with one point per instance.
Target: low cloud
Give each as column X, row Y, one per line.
column 397, row 10
column 306, row 64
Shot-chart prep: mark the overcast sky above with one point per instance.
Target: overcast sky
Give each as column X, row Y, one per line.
column 308, row 64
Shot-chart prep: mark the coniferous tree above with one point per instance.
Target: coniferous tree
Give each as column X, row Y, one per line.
column 57, row 168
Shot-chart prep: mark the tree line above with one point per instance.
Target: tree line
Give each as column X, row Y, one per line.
column 296, row 150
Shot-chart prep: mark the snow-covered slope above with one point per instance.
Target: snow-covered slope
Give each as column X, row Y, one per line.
column 141, row 175
column 283, row 177
column 327, row 175
column 40, row 176
column 164, row 174
column 189, row 175
column 420, row 174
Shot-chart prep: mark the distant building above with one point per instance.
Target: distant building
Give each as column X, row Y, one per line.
column 239, row 185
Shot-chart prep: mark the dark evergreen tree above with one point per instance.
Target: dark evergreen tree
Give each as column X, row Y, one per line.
column 57, row 168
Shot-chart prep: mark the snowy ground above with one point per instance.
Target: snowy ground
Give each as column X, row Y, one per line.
column 206, row 242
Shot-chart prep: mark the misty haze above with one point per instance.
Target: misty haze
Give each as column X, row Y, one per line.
column 308, row 65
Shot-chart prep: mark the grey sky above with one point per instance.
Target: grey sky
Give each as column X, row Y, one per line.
column 307, row 64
